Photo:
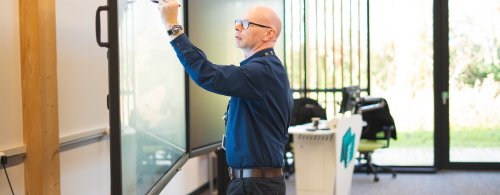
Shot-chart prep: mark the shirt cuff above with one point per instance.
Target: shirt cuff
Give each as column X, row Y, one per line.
column 179, row 40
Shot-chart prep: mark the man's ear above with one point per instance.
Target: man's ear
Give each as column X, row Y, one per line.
column 270, row 35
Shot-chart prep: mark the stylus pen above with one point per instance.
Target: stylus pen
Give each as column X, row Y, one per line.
column 156, row 1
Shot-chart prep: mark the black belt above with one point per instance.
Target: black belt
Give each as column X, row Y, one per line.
column 264, row 172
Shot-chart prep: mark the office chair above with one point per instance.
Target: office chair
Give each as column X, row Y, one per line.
column 377, row 133
column 304, row 109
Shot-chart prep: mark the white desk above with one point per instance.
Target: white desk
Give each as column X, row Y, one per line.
column 321, row 168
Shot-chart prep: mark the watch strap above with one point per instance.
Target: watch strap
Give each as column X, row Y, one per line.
column 174, row 30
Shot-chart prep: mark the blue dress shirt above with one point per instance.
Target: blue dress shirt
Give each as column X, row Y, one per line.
column 260, row 105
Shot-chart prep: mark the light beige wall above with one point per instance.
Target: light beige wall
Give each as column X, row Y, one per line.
column 192, row 176
column 11, row 119
column 82, row 67
column 82, row 89
column 11, row 123
column 85, row 169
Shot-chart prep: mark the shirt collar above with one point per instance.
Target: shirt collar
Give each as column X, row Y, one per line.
column 258, row 54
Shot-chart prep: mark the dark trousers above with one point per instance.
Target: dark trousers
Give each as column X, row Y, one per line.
column 257, row 186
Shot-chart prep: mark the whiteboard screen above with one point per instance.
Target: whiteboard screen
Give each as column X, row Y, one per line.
column 152, row 97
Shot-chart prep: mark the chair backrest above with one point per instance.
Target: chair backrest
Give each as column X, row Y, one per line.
column 378, row 118
column 304, row 109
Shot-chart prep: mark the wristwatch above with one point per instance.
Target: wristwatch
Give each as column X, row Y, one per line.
column 174, row 30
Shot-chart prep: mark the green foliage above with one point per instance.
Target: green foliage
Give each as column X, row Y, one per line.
column 475, row 137
column 479, row 71
column 383, row 68
column 424, row 139
column 459, row 137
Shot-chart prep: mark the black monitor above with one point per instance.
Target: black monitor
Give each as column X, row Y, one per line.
column 350, row 97
column 206, row 126
column 206, row 109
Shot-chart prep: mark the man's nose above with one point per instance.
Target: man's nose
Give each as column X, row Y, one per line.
column 238, row 28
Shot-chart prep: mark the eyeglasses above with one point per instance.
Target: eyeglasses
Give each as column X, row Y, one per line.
column 245, row 24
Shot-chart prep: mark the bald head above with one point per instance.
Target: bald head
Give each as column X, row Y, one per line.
column 266, row 16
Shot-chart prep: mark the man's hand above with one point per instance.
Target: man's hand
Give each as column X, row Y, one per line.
column 169, row 10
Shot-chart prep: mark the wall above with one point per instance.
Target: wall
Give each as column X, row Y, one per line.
column 82, row 67
column 82, row 89
column 191, row 177
column 11, row 119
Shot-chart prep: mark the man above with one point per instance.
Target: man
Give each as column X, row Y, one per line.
column 260, row 104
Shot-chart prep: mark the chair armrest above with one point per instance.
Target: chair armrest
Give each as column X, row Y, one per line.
column 371, row 107
column 388, row 134
column 370, row 99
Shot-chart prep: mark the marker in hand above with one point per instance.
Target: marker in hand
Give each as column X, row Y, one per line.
column 156, row 1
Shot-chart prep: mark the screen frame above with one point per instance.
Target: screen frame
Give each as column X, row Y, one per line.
column 202, row 150
column 113, row 104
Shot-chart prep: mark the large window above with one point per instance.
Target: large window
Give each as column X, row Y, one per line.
column 474, row 81
column 390, row 53
column 326, row 48
column 401, row 50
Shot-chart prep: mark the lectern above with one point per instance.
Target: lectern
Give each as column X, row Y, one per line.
column 324, row 156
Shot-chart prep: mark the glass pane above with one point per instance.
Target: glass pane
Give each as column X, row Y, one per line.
column 474, row 81
column 326, row 48
column 152, row 97
column 402, row 73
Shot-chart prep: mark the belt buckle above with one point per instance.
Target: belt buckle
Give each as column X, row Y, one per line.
column 230, row 172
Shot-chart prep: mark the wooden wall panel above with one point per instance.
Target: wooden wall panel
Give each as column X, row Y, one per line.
column 39, row 96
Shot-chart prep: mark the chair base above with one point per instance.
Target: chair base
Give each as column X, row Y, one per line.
column 370, row 167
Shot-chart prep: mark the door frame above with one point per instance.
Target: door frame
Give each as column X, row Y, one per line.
column 441, row 100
